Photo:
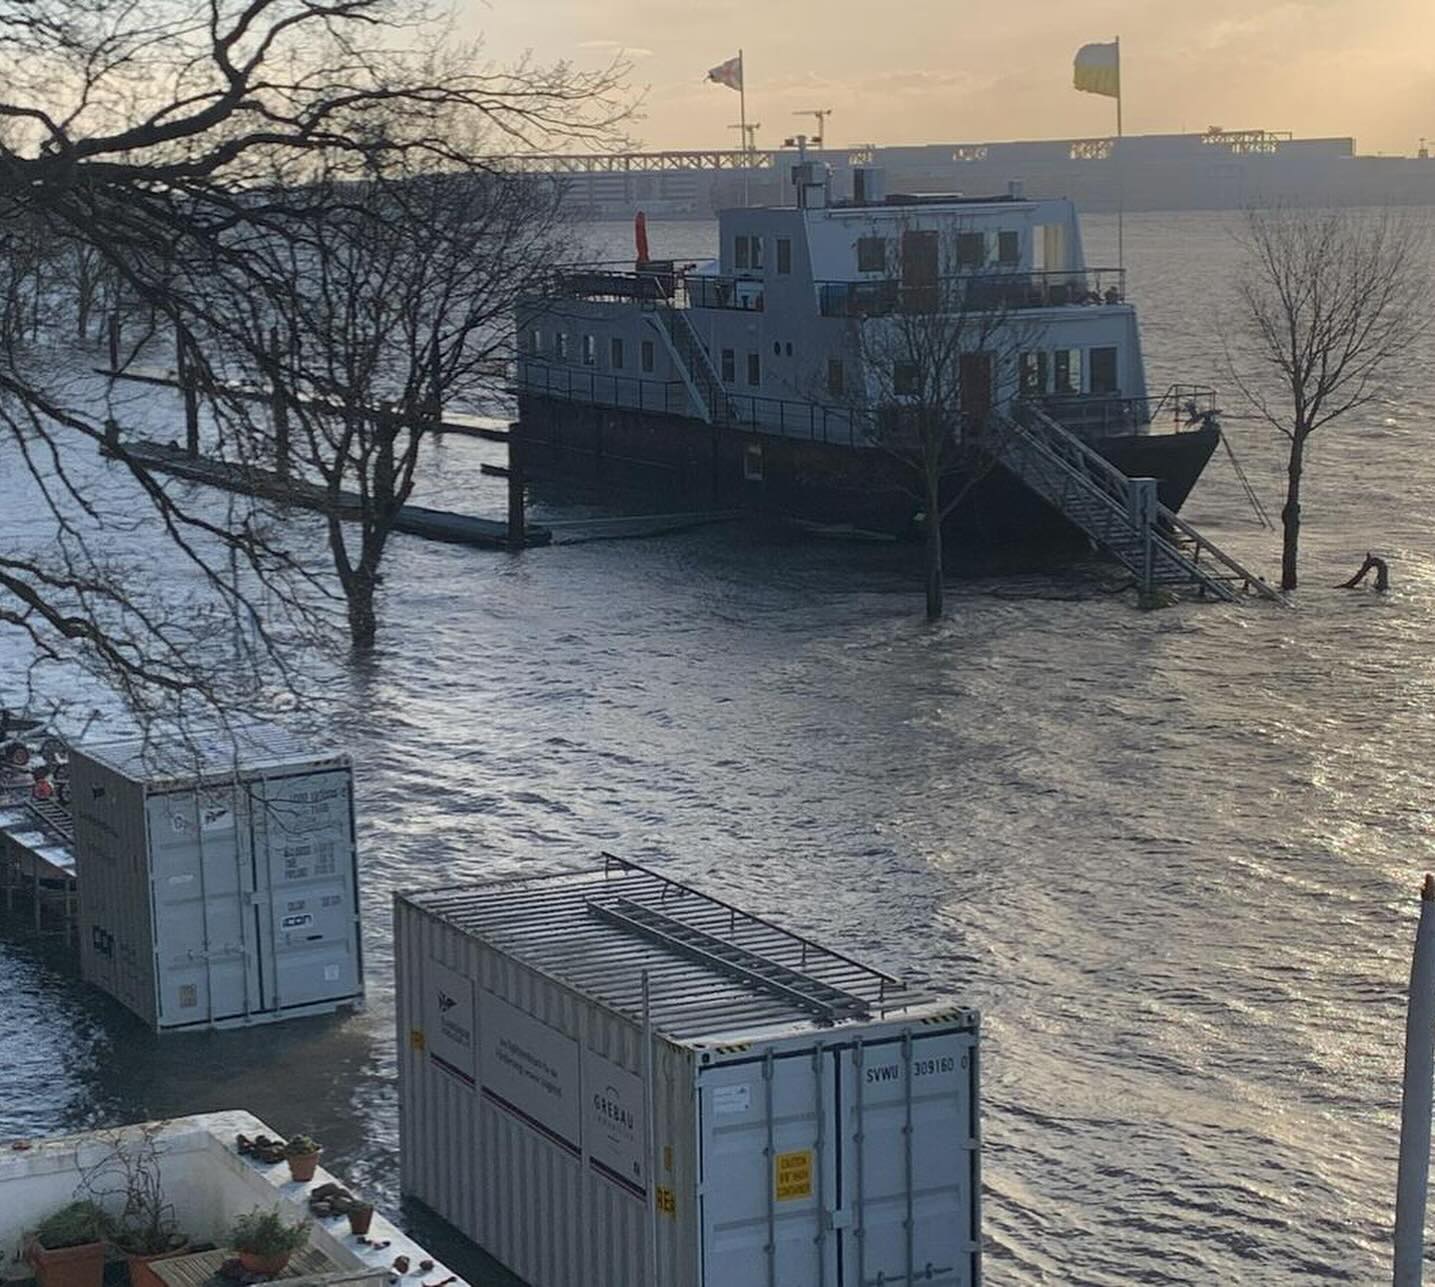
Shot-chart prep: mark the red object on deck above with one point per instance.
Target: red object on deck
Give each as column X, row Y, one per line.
column 640, row 235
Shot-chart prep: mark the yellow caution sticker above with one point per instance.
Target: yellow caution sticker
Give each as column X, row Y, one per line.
column 667, row 1202
column 792, row 1175
column 416, row 1038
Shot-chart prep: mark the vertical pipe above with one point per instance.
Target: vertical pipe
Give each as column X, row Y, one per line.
column 770, row 1152
column 819, row 1160
column 908, row 1222
column 650, row 1126
column 1412, row 1186
column 859, row 1231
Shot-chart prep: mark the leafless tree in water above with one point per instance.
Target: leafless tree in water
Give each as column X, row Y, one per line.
column 1329, row 302
column 162, row 144
column 938, row 353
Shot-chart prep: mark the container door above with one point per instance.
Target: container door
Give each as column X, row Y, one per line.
column 909, row 1173
column 308, row 910
column 767, row 1172
column 202, row 878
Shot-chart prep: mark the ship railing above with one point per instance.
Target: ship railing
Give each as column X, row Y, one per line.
column 972, row 292
column 1106, row 415
column 662, row 283
column 810, row 421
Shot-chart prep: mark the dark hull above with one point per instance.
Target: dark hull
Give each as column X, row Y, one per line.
column 673, row 463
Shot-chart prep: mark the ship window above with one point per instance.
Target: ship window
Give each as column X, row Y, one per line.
column 1033, row 374
column 835, row 383
column 754, row 368
column 1008, row 247
column 740, row 253
column 535, row 341
column 756, row 251
column 1068, row 370
column 784, row 254
column 789, row 348
column 615, row 353
column 590, row 350
column 560, row 345
column 904, row 378
column 752, row 462
column 646, row 355
column 871, row 254
column 1103, row 371
column 729, row 366
column 777, row 348
column 971, row 249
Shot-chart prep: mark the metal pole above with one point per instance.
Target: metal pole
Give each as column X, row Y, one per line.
column 1412, row 1186
column 742, row 116
column 1120, row 171
column 649, row 1125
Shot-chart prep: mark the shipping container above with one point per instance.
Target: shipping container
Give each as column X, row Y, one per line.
column 610, row 1079
column 218, row 878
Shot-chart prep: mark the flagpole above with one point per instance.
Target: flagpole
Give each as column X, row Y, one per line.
column 742, row 116
column 1120, row 174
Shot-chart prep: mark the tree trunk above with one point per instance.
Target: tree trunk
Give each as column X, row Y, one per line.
column 363, row 625
column 1290, row 515
column 935, row 601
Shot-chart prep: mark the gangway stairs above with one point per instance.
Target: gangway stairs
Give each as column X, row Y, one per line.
column 1120, row 515
column 693, row 363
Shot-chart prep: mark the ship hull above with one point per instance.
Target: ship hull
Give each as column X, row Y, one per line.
column 674, row 463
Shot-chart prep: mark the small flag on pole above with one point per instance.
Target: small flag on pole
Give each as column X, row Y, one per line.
column 728, row 73
column 1098, row 69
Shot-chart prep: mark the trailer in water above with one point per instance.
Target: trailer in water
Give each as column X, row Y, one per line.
column 218, row 877
column 610, row 1079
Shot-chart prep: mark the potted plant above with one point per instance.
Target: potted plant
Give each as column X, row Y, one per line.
column 302, row 1153
column 264, row 1242
column 361, row 1215
column 68, row 1249
column 128, row 1176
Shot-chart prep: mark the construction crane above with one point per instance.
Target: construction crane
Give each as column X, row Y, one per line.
column 749, row 136
column 821, row 113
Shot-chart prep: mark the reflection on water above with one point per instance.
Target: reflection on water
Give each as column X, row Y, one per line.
column 1172, row 856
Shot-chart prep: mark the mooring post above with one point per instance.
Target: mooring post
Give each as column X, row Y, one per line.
column 114, row 337
column 517, row 536
column 190, row 393
column 1412, row 1185
column 112, row 433
column 279, row 408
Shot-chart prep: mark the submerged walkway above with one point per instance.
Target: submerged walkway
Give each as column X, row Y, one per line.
column 268, row 484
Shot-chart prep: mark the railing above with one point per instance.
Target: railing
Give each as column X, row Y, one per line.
column 664, row 283
column 1102, row 415
column 1016, row 289
column 837, row 426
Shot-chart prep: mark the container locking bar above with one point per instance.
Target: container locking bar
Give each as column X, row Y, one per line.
column 828, row 1003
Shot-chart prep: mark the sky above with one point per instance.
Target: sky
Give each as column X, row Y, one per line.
column 955, row 71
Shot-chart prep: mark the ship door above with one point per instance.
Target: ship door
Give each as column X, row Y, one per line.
column 975, row 374
column 920, row 269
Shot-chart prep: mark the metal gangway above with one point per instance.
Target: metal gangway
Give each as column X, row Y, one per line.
column 693, row 363
column 1120, row 515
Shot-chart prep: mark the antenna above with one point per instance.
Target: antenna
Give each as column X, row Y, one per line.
column 821, row 113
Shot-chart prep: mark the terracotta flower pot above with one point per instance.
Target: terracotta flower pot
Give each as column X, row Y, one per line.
column 302, row 1168
column 82, row 1266
column 141, row 1275
column 266, row 1265
column 360, row 1216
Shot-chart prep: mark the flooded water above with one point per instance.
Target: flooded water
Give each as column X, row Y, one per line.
column 1172, row 856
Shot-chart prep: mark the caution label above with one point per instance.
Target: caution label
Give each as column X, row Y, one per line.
column 792, row 1175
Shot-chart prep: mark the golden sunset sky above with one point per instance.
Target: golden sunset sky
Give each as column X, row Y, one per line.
column 955, row 71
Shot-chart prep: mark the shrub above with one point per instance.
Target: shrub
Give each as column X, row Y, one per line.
column 73, row 1226
column 301, row 1146
column 264, row 1233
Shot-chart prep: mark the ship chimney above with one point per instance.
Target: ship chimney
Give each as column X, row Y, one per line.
column 813, row 180
column 868, row 185
column 1016, row 190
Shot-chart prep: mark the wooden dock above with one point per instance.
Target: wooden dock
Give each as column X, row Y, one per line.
column 251, row 480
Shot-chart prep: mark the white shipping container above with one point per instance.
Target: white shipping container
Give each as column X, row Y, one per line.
column 218, row 878
column 794, row 1119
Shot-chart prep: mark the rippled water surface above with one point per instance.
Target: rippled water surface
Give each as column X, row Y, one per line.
column 1172, row 856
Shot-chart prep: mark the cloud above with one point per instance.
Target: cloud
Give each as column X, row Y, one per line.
column 616, row 47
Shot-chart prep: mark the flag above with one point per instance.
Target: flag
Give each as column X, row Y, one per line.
column 1098, row 69
column 728, row 73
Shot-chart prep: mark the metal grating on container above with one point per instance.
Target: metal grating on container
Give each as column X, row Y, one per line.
column 713, row 969
column 201, row 753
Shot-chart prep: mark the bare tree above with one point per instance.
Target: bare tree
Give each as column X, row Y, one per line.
column 389, row 302
column 170, row 141
column 938, row 357
column 1329, row 300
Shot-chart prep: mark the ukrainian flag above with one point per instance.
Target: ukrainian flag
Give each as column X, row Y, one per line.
column 1098, row 69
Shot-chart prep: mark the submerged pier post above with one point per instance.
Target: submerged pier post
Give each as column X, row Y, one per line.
column 279, row 408
column 1412, row 1186
column 517, row 528
column 114, row 339
column 189, row 392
